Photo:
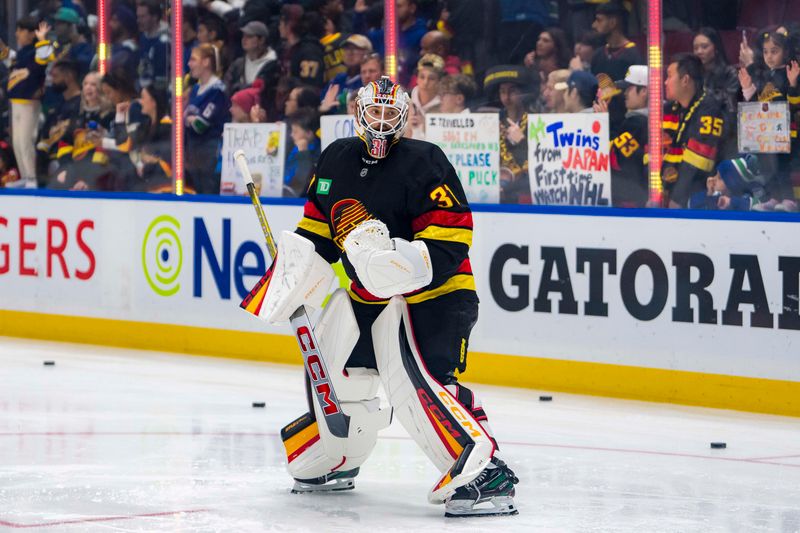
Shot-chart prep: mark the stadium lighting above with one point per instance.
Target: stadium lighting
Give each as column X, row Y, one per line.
column 390, row 39
column 655, row 92
column 177, row 100
column 102, row 36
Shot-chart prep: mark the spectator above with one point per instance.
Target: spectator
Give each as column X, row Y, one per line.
column 25, row 86
column 94, row 105
column 371, row 69
column 8, row 166
column 737, row 186
column 204, row 118
column 56, row 136
column 619, row 52
column 773, row 76
column 333, row 55
column 456, row 92
column 554, row 90
column 584, row 50
column 189, row 34
column 153, row 44
column 155, row 140
column 303, row 156
column 552, row 52
column 693, row 124
column 410, row 29
column 303, row 97
column 243, row 102
column 302, row 55
column 211, row 30
column 508, row 84
column 71, row 44
column 124, row 50
column 719, row 77
column 356, row 48
column 259, row 62
column 120, row 89
column 629, row 170
column 580, row 93
column 425, row 96
column 438, row 43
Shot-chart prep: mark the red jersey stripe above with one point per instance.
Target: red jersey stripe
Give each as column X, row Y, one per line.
column 442, row 218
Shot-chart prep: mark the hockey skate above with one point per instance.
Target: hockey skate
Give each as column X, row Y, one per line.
column 333, row 482
column 489, row 494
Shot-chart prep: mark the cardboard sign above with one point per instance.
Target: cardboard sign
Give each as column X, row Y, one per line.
column 265, row 146
column 334, row 127
column 568, row 159
column 470, row 141
column 764, row 128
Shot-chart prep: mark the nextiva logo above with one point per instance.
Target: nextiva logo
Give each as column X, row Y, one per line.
column 163, row 258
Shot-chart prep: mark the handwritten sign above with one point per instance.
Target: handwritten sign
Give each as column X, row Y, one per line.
column 568, row 159
column 470, row 142
column 334, row 127
column 264, row 145
column 764, row 128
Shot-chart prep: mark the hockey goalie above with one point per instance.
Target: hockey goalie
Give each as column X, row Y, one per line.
column 393, row 210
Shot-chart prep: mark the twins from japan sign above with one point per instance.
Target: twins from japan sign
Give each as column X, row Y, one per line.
column 568, row 159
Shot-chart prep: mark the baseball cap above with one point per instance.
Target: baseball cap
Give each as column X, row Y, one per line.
column 585, row 82
column 636, row 75
column 359, row 41
column 67, row 14
column 256, row 28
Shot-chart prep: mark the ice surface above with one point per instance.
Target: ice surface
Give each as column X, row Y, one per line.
column 124, row 440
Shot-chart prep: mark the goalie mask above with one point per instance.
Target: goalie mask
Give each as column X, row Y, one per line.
column 381, row 115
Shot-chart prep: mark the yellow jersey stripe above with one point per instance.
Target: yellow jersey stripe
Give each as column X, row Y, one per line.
column 698, row 161
column 442, row 233
column 316, row 227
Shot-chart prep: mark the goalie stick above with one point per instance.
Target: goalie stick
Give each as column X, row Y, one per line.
column 337, row 422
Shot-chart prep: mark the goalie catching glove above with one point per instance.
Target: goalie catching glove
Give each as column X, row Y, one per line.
column 386, row 266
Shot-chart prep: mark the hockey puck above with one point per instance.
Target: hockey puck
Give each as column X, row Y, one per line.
column 718, row 445
column 49, row 363
column 545, row 398
column 259, row 404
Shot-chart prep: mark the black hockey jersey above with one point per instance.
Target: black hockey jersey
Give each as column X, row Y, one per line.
column 414, row 190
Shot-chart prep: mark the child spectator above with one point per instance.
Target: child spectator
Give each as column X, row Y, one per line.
column 243, row 102
column 554, row 90
column 25, row 87
column 302, row 158
column 456, row 93
column 629, row 170
column 580, row 93
column 8, row 166
column 425, row 96
column 302, row 97
column 205, row 116
column 737, row 186
column 773, row 76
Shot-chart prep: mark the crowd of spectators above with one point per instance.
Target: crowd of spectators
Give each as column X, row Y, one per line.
column 65, row 126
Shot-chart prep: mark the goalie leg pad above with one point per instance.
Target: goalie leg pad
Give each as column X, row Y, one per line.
column 312, row 451
column 447, row 432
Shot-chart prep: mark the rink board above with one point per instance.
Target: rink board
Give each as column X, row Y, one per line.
column 637, row 304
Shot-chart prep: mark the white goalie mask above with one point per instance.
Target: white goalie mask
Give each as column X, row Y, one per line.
column 381, row 115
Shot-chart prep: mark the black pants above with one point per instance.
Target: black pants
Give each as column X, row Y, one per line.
column 201, row 166
column 441, row 327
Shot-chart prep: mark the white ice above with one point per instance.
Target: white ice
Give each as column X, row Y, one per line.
column 124, row 440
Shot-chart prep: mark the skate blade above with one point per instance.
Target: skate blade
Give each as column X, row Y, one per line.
column 496, row 507
column 335, row 486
